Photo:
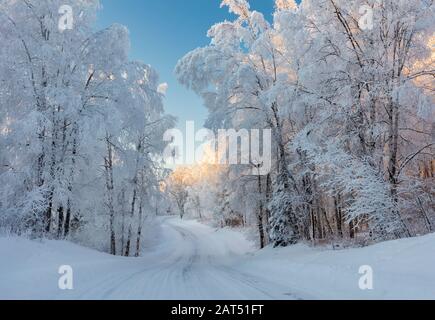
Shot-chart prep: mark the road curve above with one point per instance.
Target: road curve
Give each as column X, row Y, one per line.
column 190, row 264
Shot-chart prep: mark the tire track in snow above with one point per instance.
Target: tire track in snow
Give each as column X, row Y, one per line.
column 189, row 270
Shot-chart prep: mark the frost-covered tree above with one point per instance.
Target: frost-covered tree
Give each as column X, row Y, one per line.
column 81, row 127
column 349, row 105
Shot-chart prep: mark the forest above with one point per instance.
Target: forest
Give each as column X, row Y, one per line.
column 81, row 129
column 348, row 95
column 349, row 99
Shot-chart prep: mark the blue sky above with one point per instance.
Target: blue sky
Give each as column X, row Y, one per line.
column 162, row 31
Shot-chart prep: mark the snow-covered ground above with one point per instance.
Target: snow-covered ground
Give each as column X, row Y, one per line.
column 403, row 269
column 194, row 261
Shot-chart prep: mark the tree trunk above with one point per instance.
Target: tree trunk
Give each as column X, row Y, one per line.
column 268, row 199
column 393, row 165
column 123, row 220
column 67, row 220
column 129, row 235
column 70, row 182
column 351, row 230
column 60, row 221
column 109, row 189
column 48, row 214
column 338, row 216
column 260, row 215
column 139, row 232
column 327, row 224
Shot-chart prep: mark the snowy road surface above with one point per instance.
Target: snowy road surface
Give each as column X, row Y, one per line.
column 188, row 260
column 191, row 261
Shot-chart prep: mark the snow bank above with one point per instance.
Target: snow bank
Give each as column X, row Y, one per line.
column 402, row 269
column 29, row 269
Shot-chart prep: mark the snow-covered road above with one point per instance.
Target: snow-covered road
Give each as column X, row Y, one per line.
column 191, row 261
